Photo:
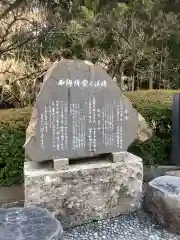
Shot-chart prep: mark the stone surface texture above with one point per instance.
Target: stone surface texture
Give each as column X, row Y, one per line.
column 145, row 132
column 31, row 129
column 74, row 119
column 134, row 226
column 124, row 227
column 162, row 199
column 30, row 223
column 86, row 192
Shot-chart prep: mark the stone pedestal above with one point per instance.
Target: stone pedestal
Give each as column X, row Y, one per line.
column 86, row 191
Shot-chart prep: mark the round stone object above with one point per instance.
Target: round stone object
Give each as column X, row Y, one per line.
column 30, row 223
column 162, row 199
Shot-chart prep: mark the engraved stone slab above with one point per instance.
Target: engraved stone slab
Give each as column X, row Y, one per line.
column 80, row 112
column 29, row 223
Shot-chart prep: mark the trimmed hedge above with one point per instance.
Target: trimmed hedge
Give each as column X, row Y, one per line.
column 155, row 106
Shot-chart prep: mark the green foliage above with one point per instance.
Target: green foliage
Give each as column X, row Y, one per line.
column 137, row 39
column 155, row 106
column 154, row 151
column 12, row 136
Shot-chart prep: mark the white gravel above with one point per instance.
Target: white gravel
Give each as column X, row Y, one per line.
column 136, row 226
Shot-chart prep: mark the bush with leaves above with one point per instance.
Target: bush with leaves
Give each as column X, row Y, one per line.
column 13, row 124
column 155, row 106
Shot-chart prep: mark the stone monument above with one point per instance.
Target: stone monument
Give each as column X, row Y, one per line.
column 175, row 129
column 80, row 113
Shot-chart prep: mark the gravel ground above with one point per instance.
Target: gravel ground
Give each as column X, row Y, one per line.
column 136, row 226
column 139, row 226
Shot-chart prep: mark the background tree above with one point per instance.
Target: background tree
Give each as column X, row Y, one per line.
column 136, row 41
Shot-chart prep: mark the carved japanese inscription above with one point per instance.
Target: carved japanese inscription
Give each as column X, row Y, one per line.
column 80, row 112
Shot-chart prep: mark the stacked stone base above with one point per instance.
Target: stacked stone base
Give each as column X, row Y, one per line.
column 87, row 191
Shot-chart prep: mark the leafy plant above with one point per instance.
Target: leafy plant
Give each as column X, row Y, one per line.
column 155, row 106
column 12, row 136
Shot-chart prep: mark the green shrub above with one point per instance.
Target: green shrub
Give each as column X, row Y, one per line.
column 12, row 136
column 155, row 106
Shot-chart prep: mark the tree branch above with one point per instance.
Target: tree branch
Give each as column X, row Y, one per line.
column 9, row 26
column 11, row 7
column 3, row 37
column 13, row 46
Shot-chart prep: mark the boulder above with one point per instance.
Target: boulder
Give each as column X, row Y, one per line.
column 29, row 223
column 87, row 191
column 74, row 119
column 162, row 199
column 145, row 132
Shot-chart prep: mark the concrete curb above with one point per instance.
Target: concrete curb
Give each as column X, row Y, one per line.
column 151, row 172
column 11, row 194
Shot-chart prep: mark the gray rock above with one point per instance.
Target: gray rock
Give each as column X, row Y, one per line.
column 86, row 192
column 162, row 199
column 145, row 132
column 79, row 112
column 28, row 224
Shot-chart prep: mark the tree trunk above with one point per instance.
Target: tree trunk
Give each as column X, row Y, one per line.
column 151, row 78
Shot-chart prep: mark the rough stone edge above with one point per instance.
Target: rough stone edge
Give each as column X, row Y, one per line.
column 130, row 161
column 32, row 124
column 155, row 194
